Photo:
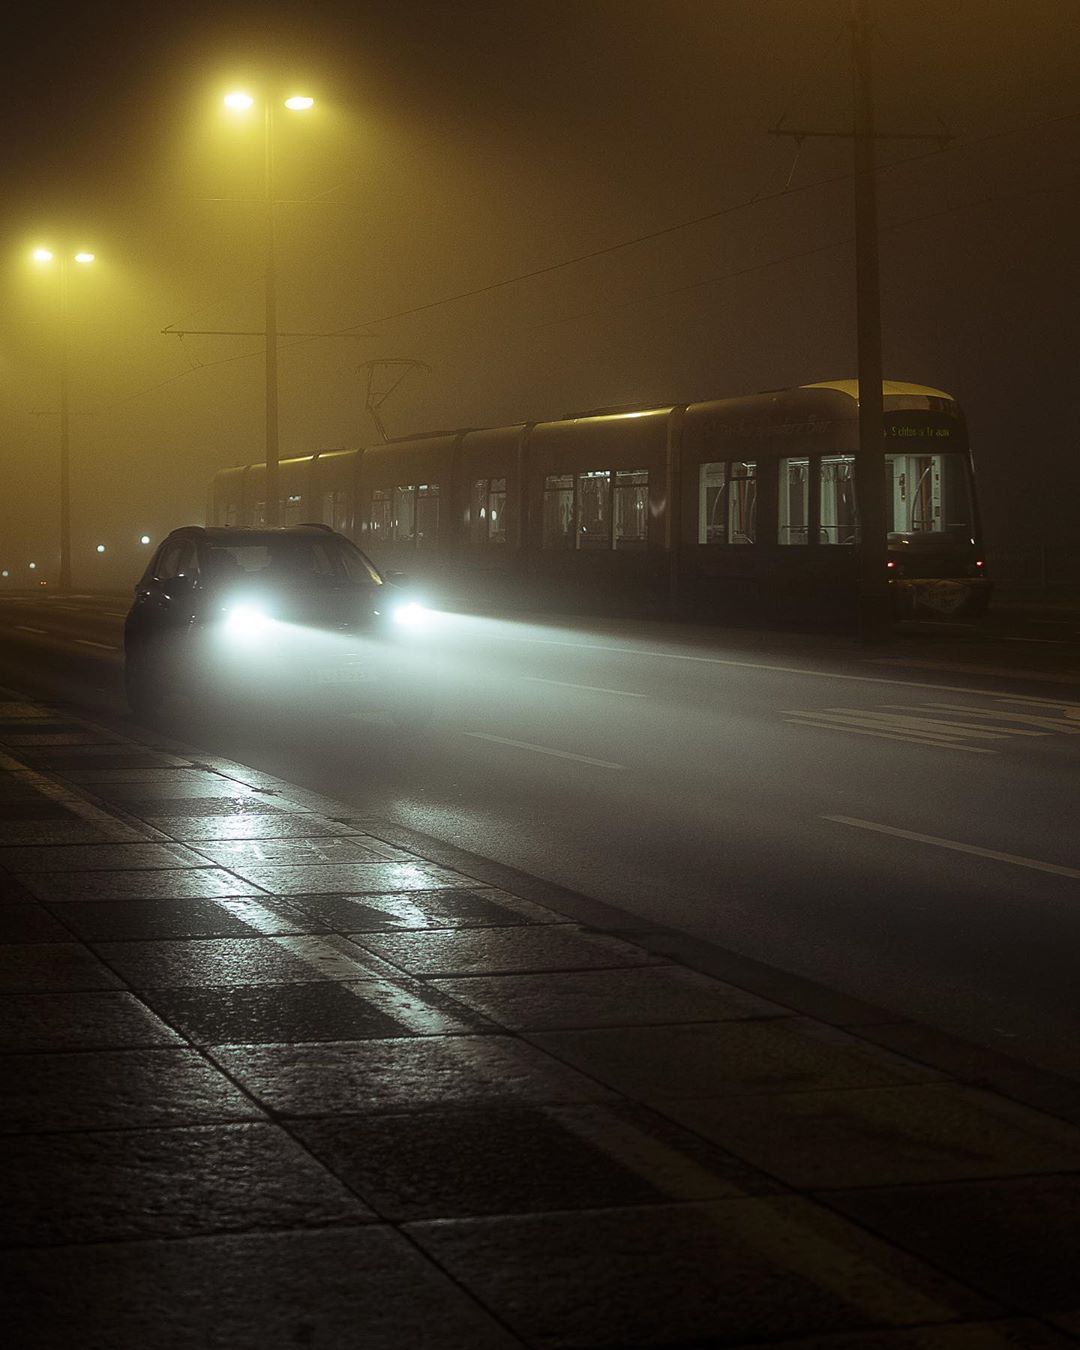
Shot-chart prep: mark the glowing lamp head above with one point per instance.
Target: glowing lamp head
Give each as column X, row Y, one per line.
column 144, row 538
column 299, row 103
column 42, row 255
column 238, row 101
column 33, row 567
column 84, row 258
column 100, row 548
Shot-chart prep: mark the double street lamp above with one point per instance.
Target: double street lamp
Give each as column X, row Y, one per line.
column 241, row 102
column 45, row 256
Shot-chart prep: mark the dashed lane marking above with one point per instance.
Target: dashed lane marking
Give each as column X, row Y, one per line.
column 543, row 750
column 25, row 628
column 1034, row 864
column 589, row 688
column 105, row 646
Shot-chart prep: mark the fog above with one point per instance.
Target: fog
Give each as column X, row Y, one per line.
column 451, row 148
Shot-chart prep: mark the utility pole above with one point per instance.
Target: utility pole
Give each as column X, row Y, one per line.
column 874, row 596
column 65, row 435
column 273, row 505
column 874, row 607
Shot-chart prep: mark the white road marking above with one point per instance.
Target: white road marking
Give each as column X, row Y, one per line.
column 589, row 688
column 1035, row 864
column 890, row 736
column 23, row 628
column 822, row 674
column 105, row 646
column 543, row 750
column 1051, row 724
column 921, row 726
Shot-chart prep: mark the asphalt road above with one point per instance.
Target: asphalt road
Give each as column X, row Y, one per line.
column 900, row 824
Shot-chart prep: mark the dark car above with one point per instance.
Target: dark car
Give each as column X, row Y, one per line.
column 298, row 613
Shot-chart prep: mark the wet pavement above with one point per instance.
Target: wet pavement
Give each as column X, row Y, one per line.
column 274, row 1080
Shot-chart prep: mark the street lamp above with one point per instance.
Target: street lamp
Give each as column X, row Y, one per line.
column 241, row 102
column 45, row 256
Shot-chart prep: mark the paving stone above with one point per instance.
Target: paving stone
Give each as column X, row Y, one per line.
column 510, row 1158
column 878, row 1136
column 423, row 909
column 276, row 826
column 109, row 775
column 240, row 853
column 206, row 961
column 12, row 893
column 105, row 1186
column 726, row 1059
column 41, row 736
column 29, row 812
column 328, row 1010
column 98, row 857
column 82, row 1021
column 1015, row 1239
column 487, row 951
column 30, row 923
column 173, row 884
column 314, row 1080
column 645, row 995
column 1015, row 1334
column 341, row 1287
column 130, row 920
column 59, row 827
column 198, row 785
column 707, row 1274
column 321, row 879
column 30, row 967
column 115, row 1089
column 62, row 758
column 159, row 808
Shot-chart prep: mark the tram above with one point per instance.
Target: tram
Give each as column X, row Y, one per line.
column 736, row 508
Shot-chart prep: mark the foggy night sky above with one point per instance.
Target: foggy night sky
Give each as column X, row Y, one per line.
column 455, row 145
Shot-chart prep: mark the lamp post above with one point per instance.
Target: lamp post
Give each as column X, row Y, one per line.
column 241, row 102
column 45, row 256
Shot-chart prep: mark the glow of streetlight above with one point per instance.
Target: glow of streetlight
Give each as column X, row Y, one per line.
column 5, row 573
column 238, row 101
column 42, row 255
column 84, row 257
column 144, row 539
column 32, row 566
column 101, row 548
column 299, row 102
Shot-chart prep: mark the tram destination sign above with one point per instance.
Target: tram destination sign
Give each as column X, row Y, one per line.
column 915, row 427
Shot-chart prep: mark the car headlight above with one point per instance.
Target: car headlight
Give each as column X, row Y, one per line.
column 410, row 615
column 247, row 621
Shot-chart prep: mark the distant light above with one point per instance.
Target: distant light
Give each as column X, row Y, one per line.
column 144, row 538
column 5, row 573
column 43, row 255
column 239, row 101
column 299, row 102
column 84, row 257
column 32, row 566
column 101, row 548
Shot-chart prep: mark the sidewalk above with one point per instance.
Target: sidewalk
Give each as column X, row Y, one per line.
column 275, row 1081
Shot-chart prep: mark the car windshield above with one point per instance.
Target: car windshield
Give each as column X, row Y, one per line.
column 290, row 561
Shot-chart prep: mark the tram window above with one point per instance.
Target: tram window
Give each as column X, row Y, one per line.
column 558, row 511
column 382, row 505
column 259, row 514
column 928, row 494
column 712, row 526
column 404, row 515
column 837, row 486
column 427, row 515
column 487, row 511
column 232, row 514
column 794, row 501
column 742, row 502
column 335, row 509
column 594, row 509
column 294, row 509
column 631, row 515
